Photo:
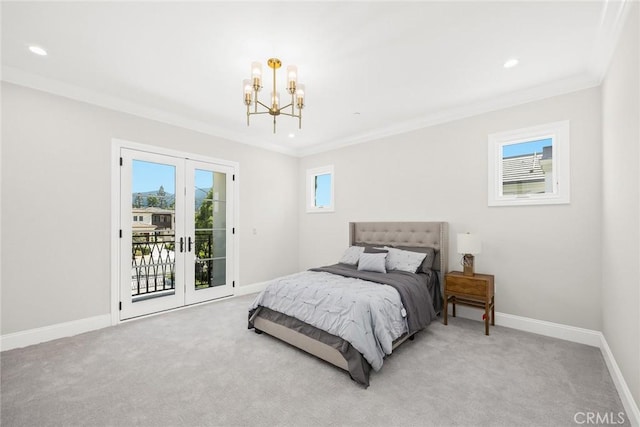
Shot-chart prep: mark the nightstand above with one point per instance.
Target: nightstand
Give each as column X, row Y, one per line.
column 473, row 291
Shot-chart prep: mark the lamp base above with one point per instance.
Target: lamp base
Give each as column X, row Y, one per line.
column 467, row 264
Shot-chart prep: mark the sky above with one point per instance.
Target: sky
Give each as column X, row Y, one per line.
column 323, row 190
column 147, row 176
column 203, row 180
column 529, row 147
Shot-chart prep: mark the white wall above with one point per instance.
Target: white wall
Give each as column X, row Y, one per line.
column 55, row 204
column 621, row 204
column 546, row 259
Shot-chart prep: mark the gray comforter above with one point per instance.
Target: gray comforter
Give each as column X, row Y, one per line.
column 413, row 290
column 369, row 310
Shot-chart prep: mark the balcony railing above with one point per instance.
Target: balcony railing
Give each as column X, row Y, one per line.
column 152, row 264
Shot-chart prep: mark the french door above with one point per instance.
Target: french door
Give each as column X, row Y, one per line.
column 176, row 219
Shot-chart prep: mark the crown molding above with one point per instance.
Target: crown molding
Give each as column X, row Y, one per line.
column 536, row 93
column 77, row 93
column 558, row 87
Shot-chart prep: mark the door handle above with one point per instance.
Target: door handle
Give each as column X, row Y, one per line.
column 189, row 245
column 182, row 244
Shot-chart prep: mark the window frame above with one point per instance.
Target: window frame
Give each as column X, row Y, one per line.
column 310, row 199
column 559, row 133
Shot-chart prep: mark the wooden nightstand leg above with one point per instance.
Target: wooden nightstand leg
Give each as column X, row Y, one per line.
column 453, row 306
column 493, row 311
column 445, row 309
column 486, row 318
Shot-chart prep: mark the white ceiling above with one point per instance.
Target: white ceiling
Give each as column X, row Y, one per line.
column 400, row 65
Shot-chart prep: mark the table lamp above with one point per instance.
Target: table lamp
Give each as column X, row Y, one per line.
column 468, row 245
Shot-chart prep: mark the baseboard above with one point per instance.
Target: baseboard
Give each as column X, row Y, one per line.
column 630, row 406
column 568, row 333
column 75, row 327
column 48, row 333
column 250, row 289
column 541, row 327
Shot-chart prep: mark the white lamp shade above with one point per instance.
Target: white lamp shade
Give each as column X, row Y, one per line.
column 469, row 244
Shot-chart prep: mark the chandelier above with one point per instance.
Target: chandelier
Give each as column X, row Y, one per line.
column 252, row 87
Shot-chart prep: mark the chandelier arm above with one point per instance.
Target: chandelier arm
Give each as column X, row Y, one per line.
column 291, row 115
column 260, row 112
column 265, row 106
column 286, row 106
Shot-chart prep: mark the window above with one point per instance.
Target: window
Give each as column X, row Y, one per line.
column 529, row 166
column 320, row 189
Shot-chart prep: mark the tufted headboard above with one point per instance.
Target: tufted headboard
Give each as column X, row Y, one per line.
column 419, row 234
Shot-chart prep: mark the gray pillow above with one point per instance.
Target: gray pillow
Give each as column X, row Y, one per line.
column 374, row 250
column 427, row 264
column 351, row 255
column 372, row 262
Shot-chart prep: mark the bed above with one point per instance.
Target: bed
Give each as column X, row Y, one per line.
column 357, row 346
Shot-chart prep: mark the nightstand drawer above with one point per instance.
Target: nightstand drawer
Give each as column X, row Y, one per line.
column 468, row 286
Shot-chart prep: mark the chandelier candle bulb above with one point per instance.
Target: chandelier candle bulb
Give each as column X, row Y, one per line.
column 256, row 75
column 275, row 102
column 292, row 78
column 256, row 69
column 300, row 97
column 248, row 91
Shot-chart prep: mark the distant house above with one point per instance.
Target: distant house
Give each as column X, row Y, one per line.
column 152, row 219
column 528, row 173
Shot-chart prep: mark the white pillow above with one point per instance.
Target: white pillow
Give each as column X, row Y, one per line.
column 404, row 260
column 372, row 262
column 351, row 255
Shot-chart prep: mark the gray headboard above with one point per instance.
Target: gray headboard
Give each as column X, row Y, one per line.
column 419, row 234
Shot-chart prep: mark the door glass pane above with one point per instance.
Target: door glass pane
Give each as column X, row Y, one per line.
column 210, row 228
column 152, row 230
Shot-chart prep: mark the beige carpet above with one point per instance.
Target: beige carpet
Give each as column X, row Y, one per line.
column 202, row 367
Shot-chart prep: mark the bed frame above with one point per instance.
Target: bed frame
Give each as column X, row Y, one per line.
column 417, row 234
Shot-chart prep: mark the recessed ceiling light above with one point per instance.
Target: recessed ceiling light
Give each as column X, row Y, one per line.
column 510, row 63
column 292, row 135
column 38, row 50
